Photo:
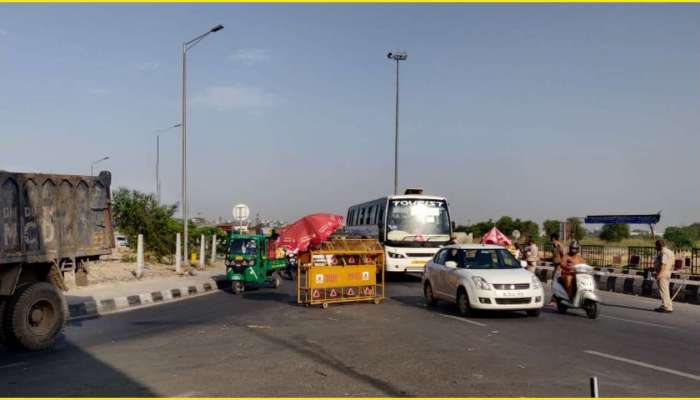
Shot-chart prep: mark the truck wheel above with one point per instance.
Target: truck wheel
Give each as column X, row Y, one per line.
column 3, row 303
column 36, row 316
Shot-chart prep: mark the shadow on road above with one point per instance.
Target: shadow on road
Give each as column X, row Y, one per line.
column 451, row 309
column 65, row 370
column 316, row 353
column 629, row 307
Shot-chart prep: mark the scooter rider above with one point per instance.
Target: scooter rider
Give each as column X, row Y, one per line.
column 568, row 273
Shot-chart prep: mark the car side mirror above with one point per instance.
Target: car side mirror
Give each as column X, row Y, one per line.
column 451, row 264
column 523, row 264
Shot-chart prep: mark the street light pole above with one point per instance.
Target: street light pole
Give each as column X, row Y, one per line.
column 398, row 56
column 186, row 46
column 92, row 164
column 158, row 132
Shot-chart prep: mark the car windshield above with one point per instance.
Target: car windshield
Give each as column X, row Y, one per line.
column 418, row 220
column 489, row 259
column 245, row 247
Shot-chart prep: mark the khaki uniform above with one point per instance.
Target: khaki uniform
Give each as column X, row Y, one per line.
column 664, row 265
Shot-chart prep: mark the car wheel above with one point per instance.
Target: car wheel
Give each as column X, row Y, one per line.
column 591, row 308
column 463, row 306
column 534, row 313
column 430, row 300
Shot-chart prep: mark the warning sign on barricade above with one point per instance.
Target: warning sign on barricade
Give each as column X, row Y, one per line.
column 340, row 271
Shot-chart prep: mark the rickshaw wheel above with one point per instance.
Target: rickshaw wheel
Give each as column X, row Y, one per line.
column 237, row 287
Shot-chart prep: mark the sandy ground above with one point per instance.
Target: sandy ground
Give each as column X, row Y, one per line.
column 111, row 269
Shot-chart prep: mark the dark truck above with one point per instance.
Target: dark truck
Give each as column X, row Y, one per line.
column 50, row 226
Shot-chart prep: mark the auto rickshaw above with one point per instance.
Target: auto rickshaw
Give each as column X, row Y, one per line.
column 251, row 260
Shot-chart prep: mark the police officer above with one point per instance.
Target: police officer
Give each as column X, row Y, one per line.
column 663, row 265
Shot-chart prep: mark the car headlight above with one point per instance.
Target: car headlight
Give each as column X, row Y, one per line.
column 536, row 284
column 481, row 283
column 395, row 255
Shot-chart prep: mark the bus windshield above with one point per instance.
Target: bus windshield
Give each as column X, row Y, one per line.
column 417, row 220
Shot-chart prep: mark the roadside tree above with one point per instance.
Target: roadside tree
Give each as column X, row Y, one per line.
column 615, row 232
column 137, row 213
column 551, row 226
column 681, row 237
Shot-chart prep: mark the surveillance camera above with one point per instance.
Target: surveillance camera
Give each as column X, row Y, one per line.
column 389, row 55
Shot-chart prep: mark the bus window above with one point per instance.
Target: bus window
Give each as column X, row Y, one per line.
column 368, row 220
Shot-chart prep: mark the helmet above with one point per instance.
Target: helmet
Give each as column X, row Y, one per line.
column 574, row 246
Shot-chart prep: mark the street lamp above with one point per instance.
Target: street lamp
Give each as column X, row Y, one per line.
column 92, row 164
column 158, row 132
column 398, row 56
column 186, row 46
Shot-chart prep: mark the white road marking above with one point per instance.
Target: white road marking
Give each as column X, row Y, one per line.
column 638, row 322
column 462, row 319
column 643, row 364
column 189, row 394
column 13, row 365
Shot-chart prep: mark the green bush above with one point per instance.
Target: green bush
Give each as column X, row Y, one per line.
column 137, row 213
column 681, row 237
column 615, row 232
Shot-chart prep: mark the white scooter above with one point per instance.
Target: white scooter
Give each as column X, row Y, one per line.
column 584, row 297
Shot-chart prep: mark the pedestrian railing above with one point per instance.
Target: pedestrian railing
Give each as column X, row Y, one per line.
column 631, row 257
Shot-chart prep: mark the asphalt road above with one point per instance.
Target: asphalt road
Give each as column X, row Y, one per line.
column 262, row 344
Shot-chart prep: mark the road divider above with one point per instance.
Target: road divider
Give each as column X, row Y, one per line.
column 99, row 306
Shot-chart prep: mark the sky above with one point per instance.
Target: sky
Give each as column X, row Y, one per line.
column 533, row 111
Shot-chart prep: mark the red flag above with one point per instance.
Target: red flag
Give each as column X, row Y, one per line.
column 308, row 231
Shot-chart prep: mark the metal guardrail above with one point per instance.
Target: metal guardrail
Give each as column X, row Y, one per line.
column 632, row 257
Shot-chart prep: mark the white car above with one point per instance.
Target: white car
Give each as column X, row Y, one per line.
column 483, row 277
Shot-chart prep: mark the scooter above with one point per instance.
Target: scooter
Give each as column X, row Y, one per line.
column 584, row 297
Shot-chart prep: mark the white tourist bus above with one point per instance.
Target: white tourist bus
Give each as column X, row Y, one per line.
column 411, row 227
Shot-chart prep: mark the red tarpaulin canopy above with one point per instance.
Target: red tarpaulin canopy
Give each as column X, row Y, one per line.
column 308, row 231
column 494, row 236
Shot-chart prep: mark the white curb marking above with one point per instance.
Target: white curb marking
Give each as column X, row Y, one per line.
column 462, row 319
column 643, row 364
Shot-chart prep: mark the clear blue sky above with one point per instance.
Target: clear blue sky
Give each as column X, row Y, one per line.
column 533, row 111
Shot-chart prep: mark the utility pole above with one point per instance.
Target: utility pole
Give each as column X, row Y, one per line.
column 186, row 46
column 398, row 56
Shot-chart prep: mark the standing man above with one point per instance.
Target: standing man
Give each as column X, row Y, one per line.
column 531, row 254
column 663, row 265
column 557, row 251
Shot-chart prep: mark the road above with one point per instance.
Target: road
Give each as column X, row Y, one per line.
column 262, row 344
